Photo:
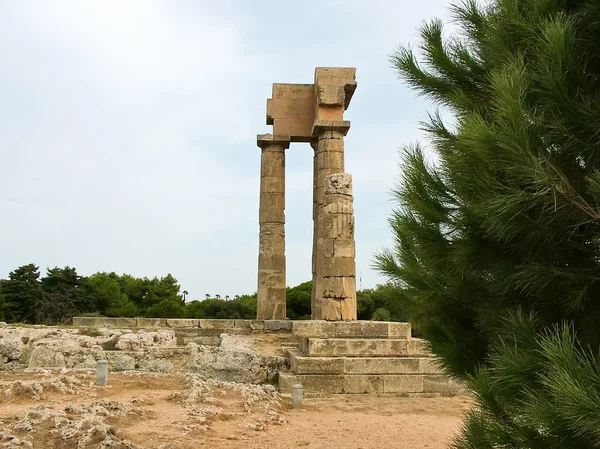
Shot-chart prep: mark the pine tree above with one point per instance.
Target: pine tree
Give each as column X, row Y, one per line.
column 496, row 247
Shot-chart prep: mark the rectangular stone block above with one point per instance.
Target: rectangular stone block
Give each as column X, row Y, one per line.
column 293, row 91
column 361, row 384
column 330, row 95
column 300, row 130
column 316, row 365
column 330, row 160
column 417, row 346
column 118, row 323
column 347, row 347
column 216, row 324
column 407, row 383
column 429, row 365
column 344, row 248
column 288, row 108
column 339, row 226
column 381, row 365
column 330, row 142
column 314, row 328
column 441, row 384
column 179, row 323
column 277, row 325
column 319, row 383
column 399, row 330
column 338, row 267
column 274, row 277
column 272, row 207
column 151, row 323
column 341, row 206
column 257, row 324
column 272, row 184
column 271, row 263
column 362, row 329
column 272, row 164
column 208, row 341
column 331, row 309
column 339, row 288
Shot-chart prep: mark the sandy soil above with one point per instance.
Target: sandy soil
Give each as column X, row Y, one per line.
column 54, row 410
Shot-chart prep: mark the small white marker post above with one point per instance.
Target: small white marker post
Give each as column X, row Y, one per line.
column 297, row 396
column 102, row 372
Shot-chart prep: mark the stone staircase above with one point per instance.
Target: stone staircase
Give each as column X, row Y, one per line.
column 357, row 357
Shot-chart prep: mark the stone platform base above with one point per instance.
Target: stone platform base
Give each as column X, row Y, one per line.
column 363, row 357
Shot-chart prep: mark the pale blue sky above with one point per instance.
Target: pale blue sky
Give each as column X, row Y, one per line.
column 128, row 131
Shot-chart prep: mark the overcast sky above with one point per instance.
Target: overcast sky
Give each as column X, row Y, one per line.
column 128, row 131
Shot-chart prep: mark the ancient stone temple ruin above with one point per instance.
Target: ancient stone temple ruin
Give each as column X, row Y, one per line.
column 312, row 113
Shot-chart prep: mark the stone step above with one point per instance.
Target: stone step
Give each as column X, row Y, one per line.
column 301, row 364
column 351, row 329
column 364, row 347
column 369, row 384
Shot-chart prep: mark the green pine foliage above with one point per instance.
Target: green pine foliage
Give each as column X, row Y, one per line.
column 496, row 235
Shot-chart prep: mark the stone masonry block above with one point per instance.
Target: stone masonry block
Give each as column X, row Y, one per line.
column 330, row 160
column 399, row 330
column 330, row 129
column 217, row 324
column 407, row 383
column 314, row 328
column 429, row 365
column 339, row 267
column 274, row 201
column 330, row 94
column 320, row 383
column 271, row 263
column 339, row 287
column 362, row 329
column 349, row 307
column 340, row 206
column 441, row 384
column 339, row 183
column 331, row 309
column 151, row 323
column 278, row 325
column 381, row 365
column 417, row 346
column 179, row 323
column 272, row 184
column 362, row 384
column 316, row 365
column 257, row 324
column 271, row 215
column 272, row 165
column 340, row 226
column 344, row 248
column 363, row 347
column 330, row 142
column 329, row 112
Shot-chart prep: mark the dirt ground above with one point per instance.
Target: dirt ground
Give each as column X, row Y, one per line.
column 53, row 410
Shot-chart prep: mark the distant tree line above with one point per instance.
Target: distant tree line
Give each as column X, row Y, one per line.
column 28, row 297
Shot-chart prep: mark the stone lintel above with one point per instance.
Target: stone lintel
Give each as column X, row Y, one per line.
column 266, row 140
column 321, row 126
column 344, row 77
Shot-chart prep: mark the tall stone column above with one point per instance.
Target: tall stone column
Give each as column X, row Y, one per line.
column 271, row 254
column 315, row 311
column 329, row 161
column 338, row 296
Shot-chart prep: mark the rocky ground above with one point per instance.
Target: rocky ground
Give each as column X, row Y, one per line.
column 54, row 409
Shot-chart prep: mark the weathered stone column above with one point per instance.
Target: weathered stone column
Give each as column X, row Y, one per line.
column 314, row 309
column 271, row 253
column 338, row 269
column 329, row 161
